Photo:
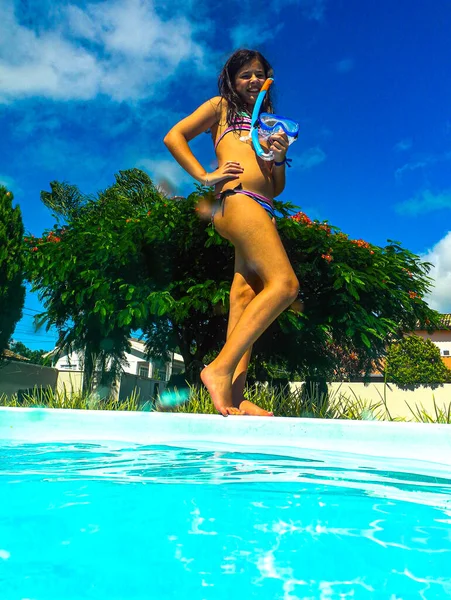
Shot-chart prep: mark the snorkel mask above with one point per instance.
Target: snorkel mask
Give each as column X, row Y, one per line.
column 265, row 125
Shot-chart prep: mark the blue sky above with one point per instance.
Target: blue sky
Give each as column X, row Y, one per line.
column 88, row 88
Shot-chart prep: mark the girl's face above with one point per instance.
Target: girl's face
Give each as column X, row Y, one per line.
column 249, row 80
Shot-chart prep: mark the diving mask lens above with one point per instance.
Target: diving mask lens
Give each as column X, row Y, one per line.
column 270, row 123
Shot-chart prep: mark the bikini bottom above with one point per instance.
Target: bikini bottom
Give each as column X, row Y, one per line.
column 266, row 203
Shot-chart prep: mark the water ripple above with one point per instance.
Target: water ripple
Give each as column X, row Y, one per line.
column 167, row 464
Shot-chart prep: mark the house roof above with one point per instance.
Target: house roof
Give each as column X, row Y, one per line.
column 444, row 323
column 13, row 355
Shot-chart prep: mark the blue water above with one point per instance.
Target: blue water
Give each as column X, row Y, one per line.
column 151, row 522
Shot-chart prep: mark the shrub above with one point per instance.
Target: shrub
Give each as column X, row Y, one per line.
column 415, row 361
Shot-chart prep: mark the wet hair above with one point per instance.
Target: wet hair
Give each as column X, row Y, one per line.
column 226, row 83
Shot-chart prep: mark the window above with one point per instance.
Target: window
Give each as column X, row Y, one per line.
column 159, row 374
column 143, row 370
column 445, row 352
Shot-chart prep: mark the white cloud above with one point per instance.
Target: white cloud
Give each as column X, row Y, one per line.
column 402, row 145
column 166, row 173
column 440, row 257
column 425, row 202
column 310, row 158
column 345, row 65
column 426, row 161
column 122, row 49
column 248, row 34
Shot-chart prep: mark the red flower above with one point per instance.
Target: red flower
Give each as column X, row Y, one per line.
column 35, row 249
column 413, row 294
column 301, row 217
column 327, row 257
column 360, row 243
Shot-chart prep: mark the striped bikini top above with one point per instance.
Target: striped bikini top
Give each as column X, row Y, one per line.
column 243, row 123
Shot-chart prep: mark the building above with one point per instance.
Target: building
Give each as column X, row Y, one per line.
column 441, row 337
column 147, row 377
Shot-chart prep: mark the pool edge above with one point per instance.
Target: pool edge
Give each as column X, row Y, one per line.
column 418, row 441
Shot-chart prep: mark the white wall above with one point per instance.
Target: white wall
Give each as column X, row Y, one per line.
column 397, row 400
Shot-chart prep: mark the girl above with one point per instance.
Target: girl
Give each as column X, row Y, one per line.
column 264, row 282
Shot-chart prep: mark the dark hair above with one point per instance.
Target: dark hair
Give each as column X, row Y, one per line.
column 226, row 82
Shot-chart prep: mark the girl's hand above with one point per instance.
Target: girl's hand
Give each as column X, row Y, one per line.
column 226, row 172
column 279, row 146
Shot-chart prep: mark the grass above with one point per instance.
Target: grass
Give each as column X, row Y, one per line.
column 441, row 415
column 283, row 402
column 48, row 398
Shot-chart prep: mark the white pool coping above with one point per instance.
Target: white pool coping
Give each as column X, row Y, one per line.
column 411, row 441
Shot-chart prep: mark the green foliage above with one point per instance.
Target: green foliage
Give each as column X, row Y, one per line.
column 49, row 398
column 131, row 259
column 12, row 290
column 283, row 402
column 65, row 201
column 36, row 356
column 356, row 297
column 415, row 361
column 441, row 414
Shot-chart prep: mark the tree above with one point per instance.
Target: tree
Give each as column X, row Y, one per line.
column 12, row 290
column 132, row 259
column 414, row 361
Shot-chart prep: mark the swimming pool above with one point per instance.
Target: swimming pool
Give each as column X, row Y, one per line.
column 139, row 506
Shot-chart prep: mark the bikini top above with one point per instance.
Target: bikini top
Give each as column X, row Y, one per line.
column 267, row 124
column 243, row 123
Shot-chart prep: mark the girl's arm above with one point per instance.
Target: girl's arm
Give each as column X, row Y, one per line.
column 279, row 146
column 176, row 140
column 278, row 176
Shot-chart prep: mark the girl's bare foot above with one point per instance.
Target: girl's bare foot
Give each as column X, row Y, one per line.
column 220, row 389
column 249, row 408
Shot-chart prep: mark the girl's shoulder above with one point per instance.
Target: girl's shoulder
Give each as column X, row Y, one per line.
column 219, row 105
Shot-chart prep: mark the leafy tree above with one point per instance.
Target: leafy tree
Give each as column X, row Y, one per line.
column 36, row 356
column 12, row 290
column 414, row 361
column 132, row 259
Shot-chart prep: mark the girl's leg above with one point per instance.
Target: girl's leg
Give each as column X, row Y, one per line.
column 246, row 224
column 245, row 286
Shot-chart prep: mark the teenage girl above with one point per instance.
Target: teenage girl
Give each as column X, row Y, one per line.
column 264, row 282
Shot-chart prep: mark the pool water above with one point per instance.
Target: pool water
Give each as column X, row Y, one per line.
column 101, row 521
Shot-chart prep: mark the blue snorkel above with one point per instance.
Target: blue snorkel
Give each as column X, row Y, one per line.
column 254, row 122
column 264, row 125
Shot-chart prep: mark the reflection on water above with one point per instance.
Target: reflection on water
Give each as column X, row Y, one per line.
column 100, row 521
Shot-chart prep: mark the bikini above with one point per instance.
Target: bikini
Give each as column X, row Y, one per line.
column 244, row 124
